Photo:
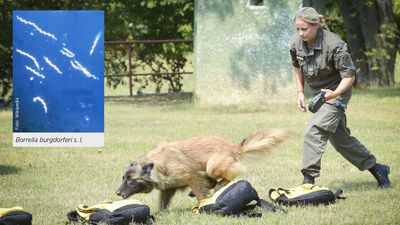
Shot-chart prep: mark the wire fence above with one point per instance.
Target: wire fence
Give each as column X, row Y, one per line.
column 129, row 46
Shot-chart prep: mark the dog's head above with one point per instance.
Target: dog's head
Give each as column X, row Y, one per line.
column 136, row 180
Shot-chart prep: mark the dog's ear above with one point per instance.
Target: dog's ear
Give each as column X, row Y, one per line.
column 146, row 169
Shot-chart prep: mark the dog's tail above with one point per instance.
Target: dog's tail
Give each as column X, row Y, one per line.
column 262, row 141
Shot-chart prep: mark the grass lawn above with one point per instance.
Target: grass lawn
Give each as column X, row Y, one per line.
column 49, row 182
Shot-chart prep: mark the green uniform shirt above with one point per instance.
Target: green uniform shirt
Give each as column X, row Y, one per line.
column 324, row 64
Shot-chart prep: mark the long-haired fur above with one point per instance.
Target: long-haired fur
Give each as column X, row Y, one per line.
column 201, row 163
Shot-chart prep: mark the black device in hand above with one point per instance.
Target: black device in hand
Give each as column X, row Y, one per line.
column 316, row 102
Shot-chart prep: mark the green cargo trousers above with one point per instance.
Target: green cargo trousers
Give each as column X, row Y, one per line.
column 329, row 123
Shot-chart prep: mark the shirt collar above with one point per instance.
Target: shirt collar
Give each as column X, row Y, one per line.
column 318, row 43
column 319, row 38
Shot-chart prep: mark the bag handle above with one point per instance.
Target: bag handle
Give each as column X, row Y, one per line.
column 338, row 192
column 262, row 203
column 248, row 210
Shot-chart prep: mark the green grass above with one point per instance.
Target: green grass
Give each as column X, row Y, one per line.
column 49, row 182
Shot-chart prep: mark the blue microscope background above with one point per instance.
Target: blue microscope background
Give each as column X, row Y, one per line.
column 58, row 71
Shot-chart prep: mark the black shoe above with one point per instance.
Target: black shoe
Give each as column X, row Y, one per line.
column 308, row 180
column 381, row 174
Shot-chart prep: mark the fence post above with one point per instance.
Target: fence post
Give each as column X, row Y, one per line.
column 130, row 68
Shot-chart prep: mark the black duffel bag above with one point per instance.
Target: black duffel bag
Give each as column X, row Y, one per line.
column 306, row 194
column 113, row 213
column 15, row 216
column 238, row 198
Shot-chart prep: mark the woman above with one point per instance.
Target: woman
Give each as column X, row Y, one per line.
column 321, row 59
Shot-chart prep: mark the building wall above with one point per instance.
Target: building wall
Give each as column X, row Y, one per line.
column 241, row 51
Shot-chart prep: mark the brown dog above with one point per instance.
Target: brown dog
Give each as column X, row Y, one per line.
column 201, row 163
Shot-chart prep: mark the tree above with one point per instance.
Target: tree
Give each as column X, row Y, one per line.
column 371, row 30
column 319, row 5
column 149, row 20
column 373, row 37
column 5, row 53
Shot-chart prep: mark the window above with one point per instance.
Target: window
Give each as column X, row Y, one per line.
column 257, row 2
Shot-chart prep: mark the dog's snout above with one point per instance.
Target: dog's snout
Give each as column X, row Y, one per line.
column 118, row 192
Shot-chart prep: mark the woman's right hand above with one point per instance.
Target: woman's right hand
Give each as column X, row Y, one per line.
column 301, row 102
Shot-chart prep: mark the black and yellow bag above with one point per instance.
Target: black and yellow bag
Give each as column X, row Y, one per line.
column 305, row 194
column 112, row 213
column 236, row 198
column 15, row 216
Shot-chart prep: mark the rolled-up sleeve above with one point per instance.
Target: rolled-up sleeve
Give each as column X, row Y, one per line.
column 343, row 62
column 293, row 53
column 295, row 61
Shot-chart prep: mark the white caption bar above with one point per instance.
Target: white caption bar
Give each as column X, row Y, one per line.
column 21, row 139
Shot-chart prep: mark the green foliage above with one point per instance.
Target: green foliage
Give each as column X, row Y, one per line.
column 396, row 9
column 380, row 53
column 334, row 19
column 388, row 32
column 151, row 20
column 114, row 61
column 5, row 52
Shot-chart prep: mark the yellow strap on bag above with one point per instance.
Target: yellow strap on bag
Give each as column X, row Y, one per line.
column 4, row 211
column 85, row 211
column 297, row 191
column 304, row 195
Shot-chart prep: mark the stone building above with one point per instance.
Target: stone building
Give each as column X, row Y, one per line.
column 241, row 51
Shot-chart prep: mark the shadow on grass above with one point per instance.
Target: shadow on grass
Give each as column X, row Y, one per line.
column 358, row 186
column 152, row 99
column 6, row 170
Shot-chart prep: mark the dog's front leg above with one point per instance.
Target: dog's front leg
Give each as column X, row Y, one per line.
column 165, row 198
column 201, row 186
column 204, row 183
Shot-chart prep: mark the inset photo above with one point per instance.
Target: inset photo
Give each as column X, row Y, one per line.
column 58, row 82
